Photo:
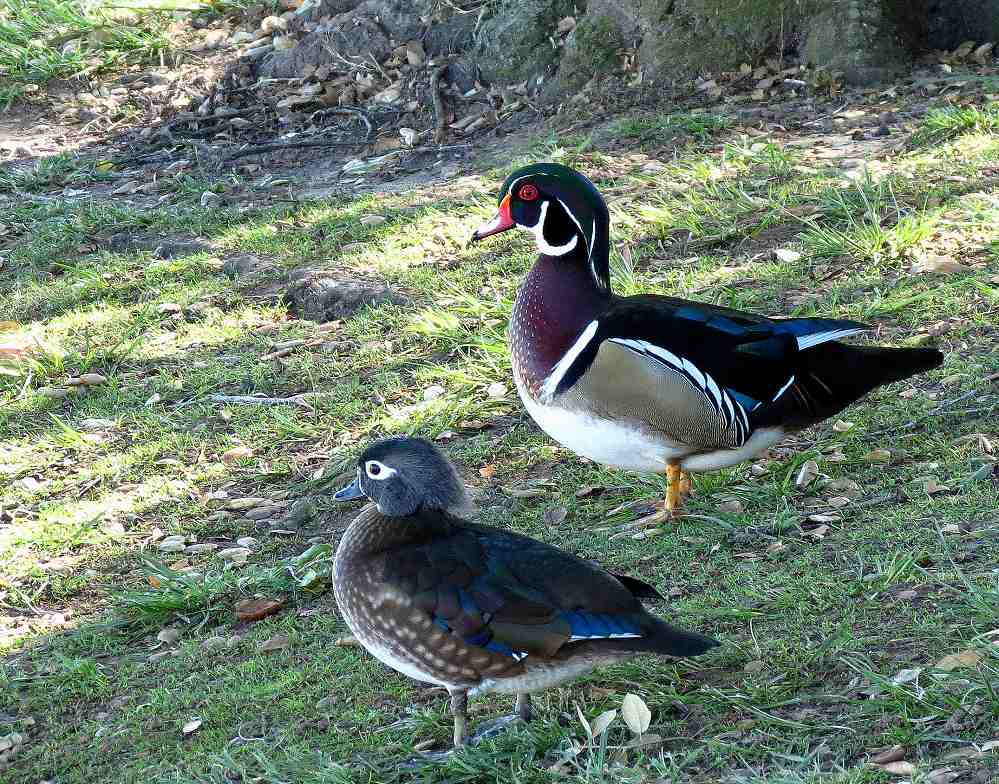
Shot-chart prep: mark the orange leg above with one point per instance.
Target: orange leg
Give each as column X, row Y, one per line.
column 674, row 489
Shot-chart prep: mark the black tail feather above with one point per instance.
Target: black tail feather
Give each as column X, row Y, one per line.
column 639, row 588
column 831, row 376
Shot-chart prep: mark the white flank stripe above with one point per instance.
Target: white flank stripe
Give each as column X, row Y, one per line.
column 807, row 341
column 558, row 372
column 715, row 392
column 691, row 368
column 577, row 637
column 728, row 407
column 783, row 389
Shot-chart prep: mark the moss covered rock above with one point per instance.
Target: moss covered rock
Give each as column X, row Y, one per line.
column 515, row 42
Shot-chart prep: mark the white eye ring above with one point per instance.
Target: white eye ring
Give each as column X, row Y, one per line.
column 378, row 471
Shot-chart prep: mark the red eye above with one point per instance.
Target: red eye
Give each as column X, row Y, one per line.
column 528, row 192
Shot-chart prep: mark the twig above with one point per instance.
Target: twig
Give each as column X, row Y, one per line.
column 440, row 119
column 937, row 411
column 262, row 148
column 353, row 111
column 251, row 400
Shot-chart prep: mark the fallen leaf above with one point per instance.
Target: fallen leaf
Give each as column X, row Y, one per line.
column 787, row 255
column 373, row 220
column 191, row 726
column 238, row 452
column 496, row 390
column 276, row 643
column 824, row 518
column 933, row 487
column 636, row 713
column 894, row 754
column 878, row 456
column 838, row 501
column 954, row 661
column 941, row 264
column 731, row 506
column 347, row 641
column 842, row 426
column 488, row 471
column 806, row 474
column 168, row 636
column 555, row 515
column 817, row 533
column 600, row 724
column 255, row 609
column 906, row 676
column 587, row 490
column 900, row 768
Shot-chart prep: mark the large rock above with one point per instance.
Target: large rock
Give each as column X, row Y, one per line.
column 515, row 41
column 866, row 40
column 371, row 29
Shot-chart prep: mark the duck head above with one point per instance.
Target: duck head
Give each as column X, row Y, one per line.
column 406, row 475
column 562, row 209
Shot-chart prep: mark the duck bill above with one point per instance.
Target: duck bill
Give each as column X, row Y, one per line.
column 351, row 492
column 502, row 221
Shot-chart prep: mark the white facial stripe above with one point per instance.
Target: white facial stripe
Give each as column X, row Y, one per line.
column 558, row 372
column 381, row 471
column 538, row 230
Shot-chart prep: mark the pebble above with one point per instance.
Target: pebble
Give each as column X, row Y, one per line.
column 172, row 544
column 234, row 554
column 246, row 541
column 204, row 547
column 261, row 512
column 240, row 504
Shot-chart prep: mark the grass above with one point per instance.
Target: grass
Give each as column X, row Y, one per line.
column 42, row 40
column 941, row 125
column 835, row 628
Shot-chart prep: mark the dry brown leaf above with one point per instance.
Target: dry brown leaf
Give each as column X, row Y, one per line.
column 806, row 474
column 276, row 643
column 955, row 661
column 878, row 456
column 488, row 471
column 636, row 713
column 238, row 452
column 731, row 506
column 893, row 754
column 255, row 609
column 900, row 768
column 940, row 264
column 933, row 487
column 555, row 515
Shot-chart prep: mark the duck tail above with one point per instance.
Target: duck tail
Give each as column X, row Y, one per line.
column 660, row 637
column 832, row 375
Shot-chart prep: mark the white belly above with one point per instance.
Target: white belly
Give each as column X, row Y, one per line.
column 619, row 445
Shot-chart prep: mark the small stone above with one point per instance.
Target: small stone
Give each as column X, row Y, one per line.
column 236, row 555
column 241, row 504
column 95, row 424
column 210, row 199
column 302, row 511
column 203, row 547
column 172, row 544
column 271, row 23
column 496, row 390
column 261, row 512
column 246, row 541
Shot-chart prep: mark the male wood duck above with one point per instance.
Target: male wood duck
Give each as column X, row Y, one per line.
column 659, row 384
column 472, row 608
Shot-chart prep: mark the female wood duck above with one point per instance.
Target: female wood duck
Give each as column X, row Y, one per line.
column 472, row 608
column 660, row 384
